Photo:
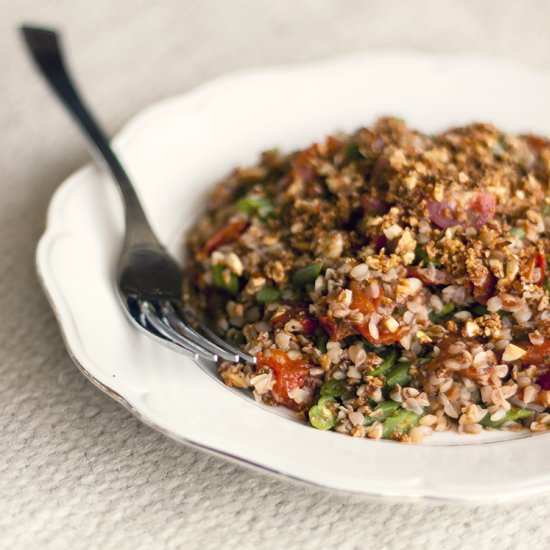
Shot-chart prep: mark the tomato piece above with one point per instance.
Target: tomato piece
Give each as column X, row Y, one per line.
column 302, row 166
column 361, row 300
column 430, row 275
column 337, row 330
column 485, row 289
column 538, row 144
column 479, row 374
column 384, row 335
column 288, row 374
column 527, row 270
column 541, row 262
column 332, row 145
column 226, row 234
column 535, row 355
column 309, row 324
column 483, row 208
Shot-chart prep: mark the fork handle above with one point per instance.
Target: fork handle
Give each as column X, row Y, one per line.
column 45, row 48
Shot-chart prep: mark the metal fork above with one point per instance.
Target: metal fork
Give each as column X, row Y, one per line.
column 149, row 280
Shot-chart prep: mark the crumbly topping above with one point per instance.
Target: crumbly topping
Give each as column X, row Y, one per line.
column 386, row 242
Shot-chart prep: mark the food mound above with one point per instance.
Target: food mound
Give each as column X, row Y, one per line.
column 389, row 283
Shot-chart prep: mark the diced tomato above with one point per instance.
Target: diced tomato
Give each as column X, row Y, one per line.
column 309, row 324
column 361, row 299
column 337, row 330
column 362, row 302
column 485, row 289
column 541, row 262
column 479, row 374
column 332, row 145
column 528, row 269
column 226, row 234
column 430, row 275
column 384, row 335
column 289, row 374
column 535, row 355
column 302, row 166
column 441, row 214
column 537, row 143
column 483, row 207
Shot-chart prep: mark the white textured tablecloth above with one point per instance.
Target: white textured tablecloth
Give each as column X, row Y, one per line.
column 77, row 470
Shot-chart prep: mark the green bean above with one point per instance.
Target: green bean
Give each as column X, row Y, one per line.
column 332, row 388
column 260, row 205
column 323, row 415
column 352, row 152
column 480, row 309
column 307, row 274
column 421, row 257
column 447, row 309
column 546, row 210
column 386, row 365
column 321, row 342
column 399, row 423
column 512, row 414
column 518, row 232
column 398, row 375
column 324, row 399
column 267, row 294
column 382, row 411
column 230, row 284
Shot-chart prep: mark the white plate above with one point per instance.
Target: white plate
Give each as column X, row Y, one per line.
column 174, row 152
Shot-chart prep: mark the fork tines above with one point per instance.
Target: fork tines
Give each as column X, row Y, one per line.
column 171, row 323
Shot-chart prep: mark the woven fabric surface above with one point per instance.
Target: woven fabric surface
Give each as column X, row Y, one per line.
column 76, row 469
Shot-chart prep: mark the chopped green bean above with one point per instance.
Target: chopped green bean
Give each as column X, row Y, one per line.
column 231, row 284
column 421, row 257
column 307, row 274
column 323, row 415
column 381, row 412
column 267, row 294
column 512, row 414
column 252, row 205
column 386, row 365
column 324, row 399
column 447, row 309
column 518, row 232
column 332, row 388
column 353, row 152
column 480, row 310
column 546, row 210
column 399, row 423
column 398, row 375
column 321, row 342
